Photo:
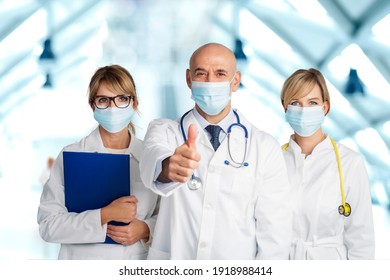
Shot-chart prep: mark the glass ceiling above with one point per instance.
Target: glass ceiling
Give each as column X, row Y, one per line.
column 154, row 40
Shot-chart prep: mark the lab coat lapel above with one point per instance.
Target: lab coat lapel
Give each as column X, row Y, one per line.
column 94, row 143
column 202, row 139
column 236, row 147
column 237, row 140
column 237, row 136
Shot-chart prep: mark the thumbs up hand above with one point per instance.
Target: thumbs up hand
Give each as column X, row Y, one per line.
column 181, row 165
column 191, row 137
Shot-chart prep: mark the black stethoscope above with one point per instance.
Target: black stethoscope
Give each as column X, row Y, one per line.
column 195, row 183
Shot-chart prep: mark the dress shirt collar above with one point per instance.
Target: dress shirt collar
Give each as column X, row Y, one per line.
column 224, row 123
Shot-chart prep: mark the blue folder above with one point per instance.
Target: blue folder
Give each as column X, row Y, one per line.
column 94, row 180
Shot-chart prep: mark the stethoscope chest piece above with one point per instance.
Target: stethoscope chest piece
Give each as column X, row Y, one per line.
column 194, row 183
column 345, row 210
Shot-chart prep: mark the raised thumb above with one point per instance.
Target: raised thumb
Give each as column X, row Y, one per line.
column 192, row 134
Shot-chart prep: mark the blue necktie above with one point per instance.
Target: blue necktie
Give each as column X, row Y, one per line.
column 214, row 131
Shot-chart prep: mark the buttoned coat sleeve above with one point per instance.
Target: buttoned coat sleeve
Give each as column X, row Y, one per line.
column 160, row 143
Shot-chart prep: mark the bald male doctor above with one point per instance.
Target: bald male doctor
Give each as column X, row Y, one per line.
column 223, row 197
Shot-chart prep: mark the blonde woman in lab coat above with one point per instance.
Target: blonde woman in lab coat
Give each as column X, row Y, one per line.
column 113, row 99
column 332, row 212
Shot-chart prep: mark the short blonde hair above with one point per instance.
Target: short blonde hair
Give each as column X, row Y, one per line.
column 118, row 80
column 300, row 83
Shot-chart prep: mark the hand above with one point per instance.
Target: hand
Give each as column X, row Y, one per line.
column 122, row 210
column 181, row 165
column 130, row 234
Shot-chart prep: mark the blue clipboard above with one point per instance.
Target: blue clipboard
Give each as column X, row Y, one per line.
column 94, row 180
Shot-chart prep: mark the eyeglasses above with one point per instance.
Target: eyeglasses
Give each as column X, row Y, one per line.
column 120, row 101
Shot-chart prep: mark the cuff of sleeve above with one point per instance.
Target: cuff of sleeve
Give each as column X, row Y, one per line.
column 158, row 169
column 158, row 184
column 103, row 231
column 146, row 243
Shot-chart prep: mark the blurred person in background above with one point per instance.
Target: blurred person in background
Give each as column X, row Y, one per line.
column 45, row 174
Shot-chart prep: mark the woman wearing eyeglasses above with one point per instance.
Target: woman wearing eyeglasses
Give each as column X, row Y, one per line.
column 113, row 99
column 332, row 212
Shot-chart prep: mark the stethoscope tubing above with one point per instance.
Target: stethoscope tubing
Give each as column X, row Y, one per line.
column 344, row 209
column 229, row 130
column 195, row 183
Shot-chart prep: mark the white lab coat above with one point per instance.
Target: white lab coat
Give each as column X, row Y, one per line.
column 319, row 231
column 80, row 233
column 238, row 213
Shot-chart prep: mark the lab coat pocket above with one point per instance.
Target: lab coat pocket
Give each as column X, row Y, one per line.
column 155, row 254
column 243, row 186
column 142, row 256
column 243, row 194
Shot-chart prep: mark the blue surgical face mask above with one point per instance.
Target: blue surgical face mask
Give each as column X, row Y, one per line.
column 211, row 97
column 114, row 119
column 305, row 120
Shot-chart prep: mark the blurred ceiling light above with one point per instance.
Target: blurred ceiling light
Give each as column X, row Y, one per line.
column 240, row 57
column 239, row 51
column 46, row 61
column 354, row 84
column 373, row 80
column 48, row 83
column 47, row 53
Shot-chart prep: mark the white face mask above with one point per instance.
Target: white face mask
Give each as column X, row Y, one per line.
column 305, row 120
column 114, row 119
column 211, row 97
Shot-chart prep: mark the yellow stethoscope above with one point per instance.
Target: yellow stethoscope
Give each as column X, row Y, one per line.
column 344, row 208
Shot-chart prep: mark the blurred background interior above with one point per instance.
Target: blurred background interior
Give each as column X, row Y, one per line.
column 49, row 50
